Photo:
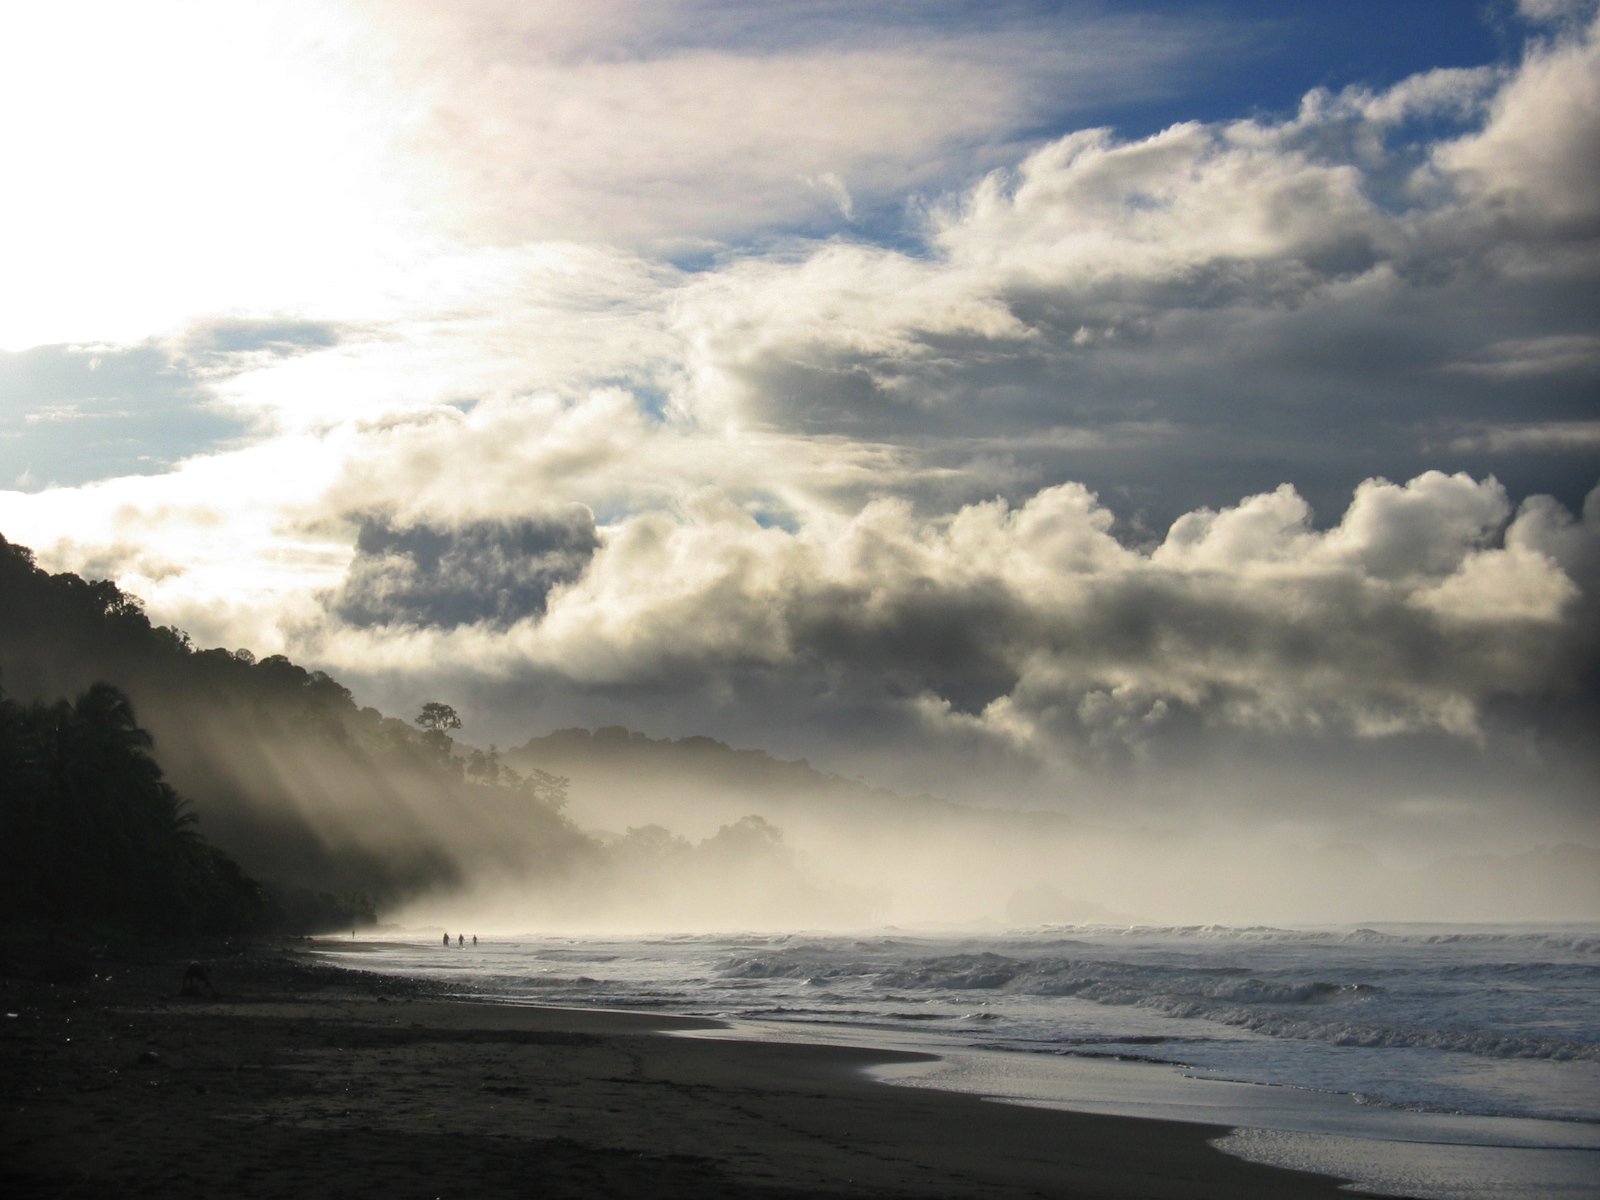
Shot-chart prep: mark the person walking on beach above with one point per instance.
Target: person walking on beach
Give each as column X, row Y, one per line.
column 461, row 939
column 447, row 939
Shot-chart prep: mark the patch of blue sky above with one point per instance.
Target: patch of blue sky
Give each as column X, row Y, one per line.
column 898, row 224
column 72, row 415
column 693, row 258
column 777, row 29
column 1246, row 59
column 767, row 510
column 653, row 402
column 1390, row 184
column 609, row 513
column 1270, row 55
column 771, row 513
column 793, row 242
column 280, row 337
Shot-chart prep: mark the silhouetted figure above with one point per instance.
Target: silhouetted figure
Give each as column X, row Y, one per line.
column 474, row 939
column 447, row 939
column 197, row 981
column 461, row 939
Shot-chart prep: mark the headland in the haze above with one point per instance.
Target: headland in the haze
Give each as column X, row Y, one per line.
column 300, row 1079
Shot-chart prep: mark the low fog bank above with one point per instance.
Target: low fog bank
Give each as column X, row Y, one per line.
column 694, row 835
column 613, row 830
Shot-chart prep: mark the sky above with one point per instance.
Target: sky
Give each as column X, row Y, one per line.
column 1176, row 415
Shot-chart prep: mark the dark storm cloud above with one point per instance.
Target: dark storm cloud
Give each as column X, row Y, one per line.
column 956, row 642
column 495, row 571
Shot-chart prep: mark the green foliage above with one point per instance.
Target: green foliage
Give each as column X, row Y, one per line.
column 304, row 910
column 436, row 721
column 438, row 718
column 90, row 830
column 295, row 780
column 540, row 786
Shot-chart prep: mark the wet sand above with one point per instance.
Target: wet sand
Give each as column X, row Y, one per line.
column 305, row 1081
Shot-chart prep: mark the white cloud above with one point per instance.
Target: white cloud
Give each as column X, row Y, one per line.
column 695, row 120
column 1458, row 92
column 1088, row 211
column 480, row 326
column 227, row 547
column 1262, row 530
column 1549, row 530
column 591, row 256
column 1556, row 11
column 183, row 160
column 1426, row 528
column 834, row 188
column 1409, row 615
column 313, row 159
column 1534, row 163
column 1495, row 587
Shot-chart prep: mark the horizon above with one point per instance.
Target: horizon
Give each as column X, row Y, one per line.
column 1184, row 422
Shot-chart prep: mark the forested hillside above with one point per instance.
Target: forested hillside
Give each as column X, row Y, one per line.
column 91, row 831
column 263, row 769
column 339, row 807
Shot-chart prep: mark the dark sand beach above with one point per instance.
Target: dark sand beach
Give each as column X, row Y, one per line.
column 301, row 1080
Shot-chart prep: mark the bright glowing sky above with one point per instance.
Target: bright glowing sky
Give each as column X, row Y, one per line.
column 1190, row 406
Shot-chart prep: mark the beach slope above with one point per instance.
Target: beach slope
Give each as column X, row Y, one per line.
column 304, row 1081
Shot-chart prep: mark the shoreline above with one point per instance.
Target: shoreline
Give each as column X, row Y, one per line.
column 304, row 1078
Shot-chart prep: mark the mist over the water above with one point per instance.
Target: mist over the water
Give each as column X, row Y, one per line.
column 695, row 836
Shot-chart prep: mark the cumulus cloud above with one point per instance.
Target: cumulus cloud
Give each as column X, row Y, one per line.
column 234, row 548
column 1171, row 319
column 1243, row 283
column 1533, row 163
column 1032, row 630
column 789, row 379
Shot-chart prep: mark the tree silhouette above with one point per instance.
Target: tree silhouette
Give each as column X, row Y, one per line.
column 436, row 721
column 90, row 830
column 438, row 718
column 308, row 788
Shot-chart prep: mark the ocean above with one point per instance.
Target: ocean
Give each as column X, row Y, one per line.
column 1443, row 1062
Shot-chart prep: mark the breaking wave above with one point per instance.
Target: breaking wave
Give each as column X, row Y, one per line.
column 1340, row 1012
column 1510, row 939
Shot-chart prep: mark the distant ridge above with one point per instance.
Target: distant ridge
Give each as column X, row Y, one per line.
column 282, row 768
column 614, row 748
